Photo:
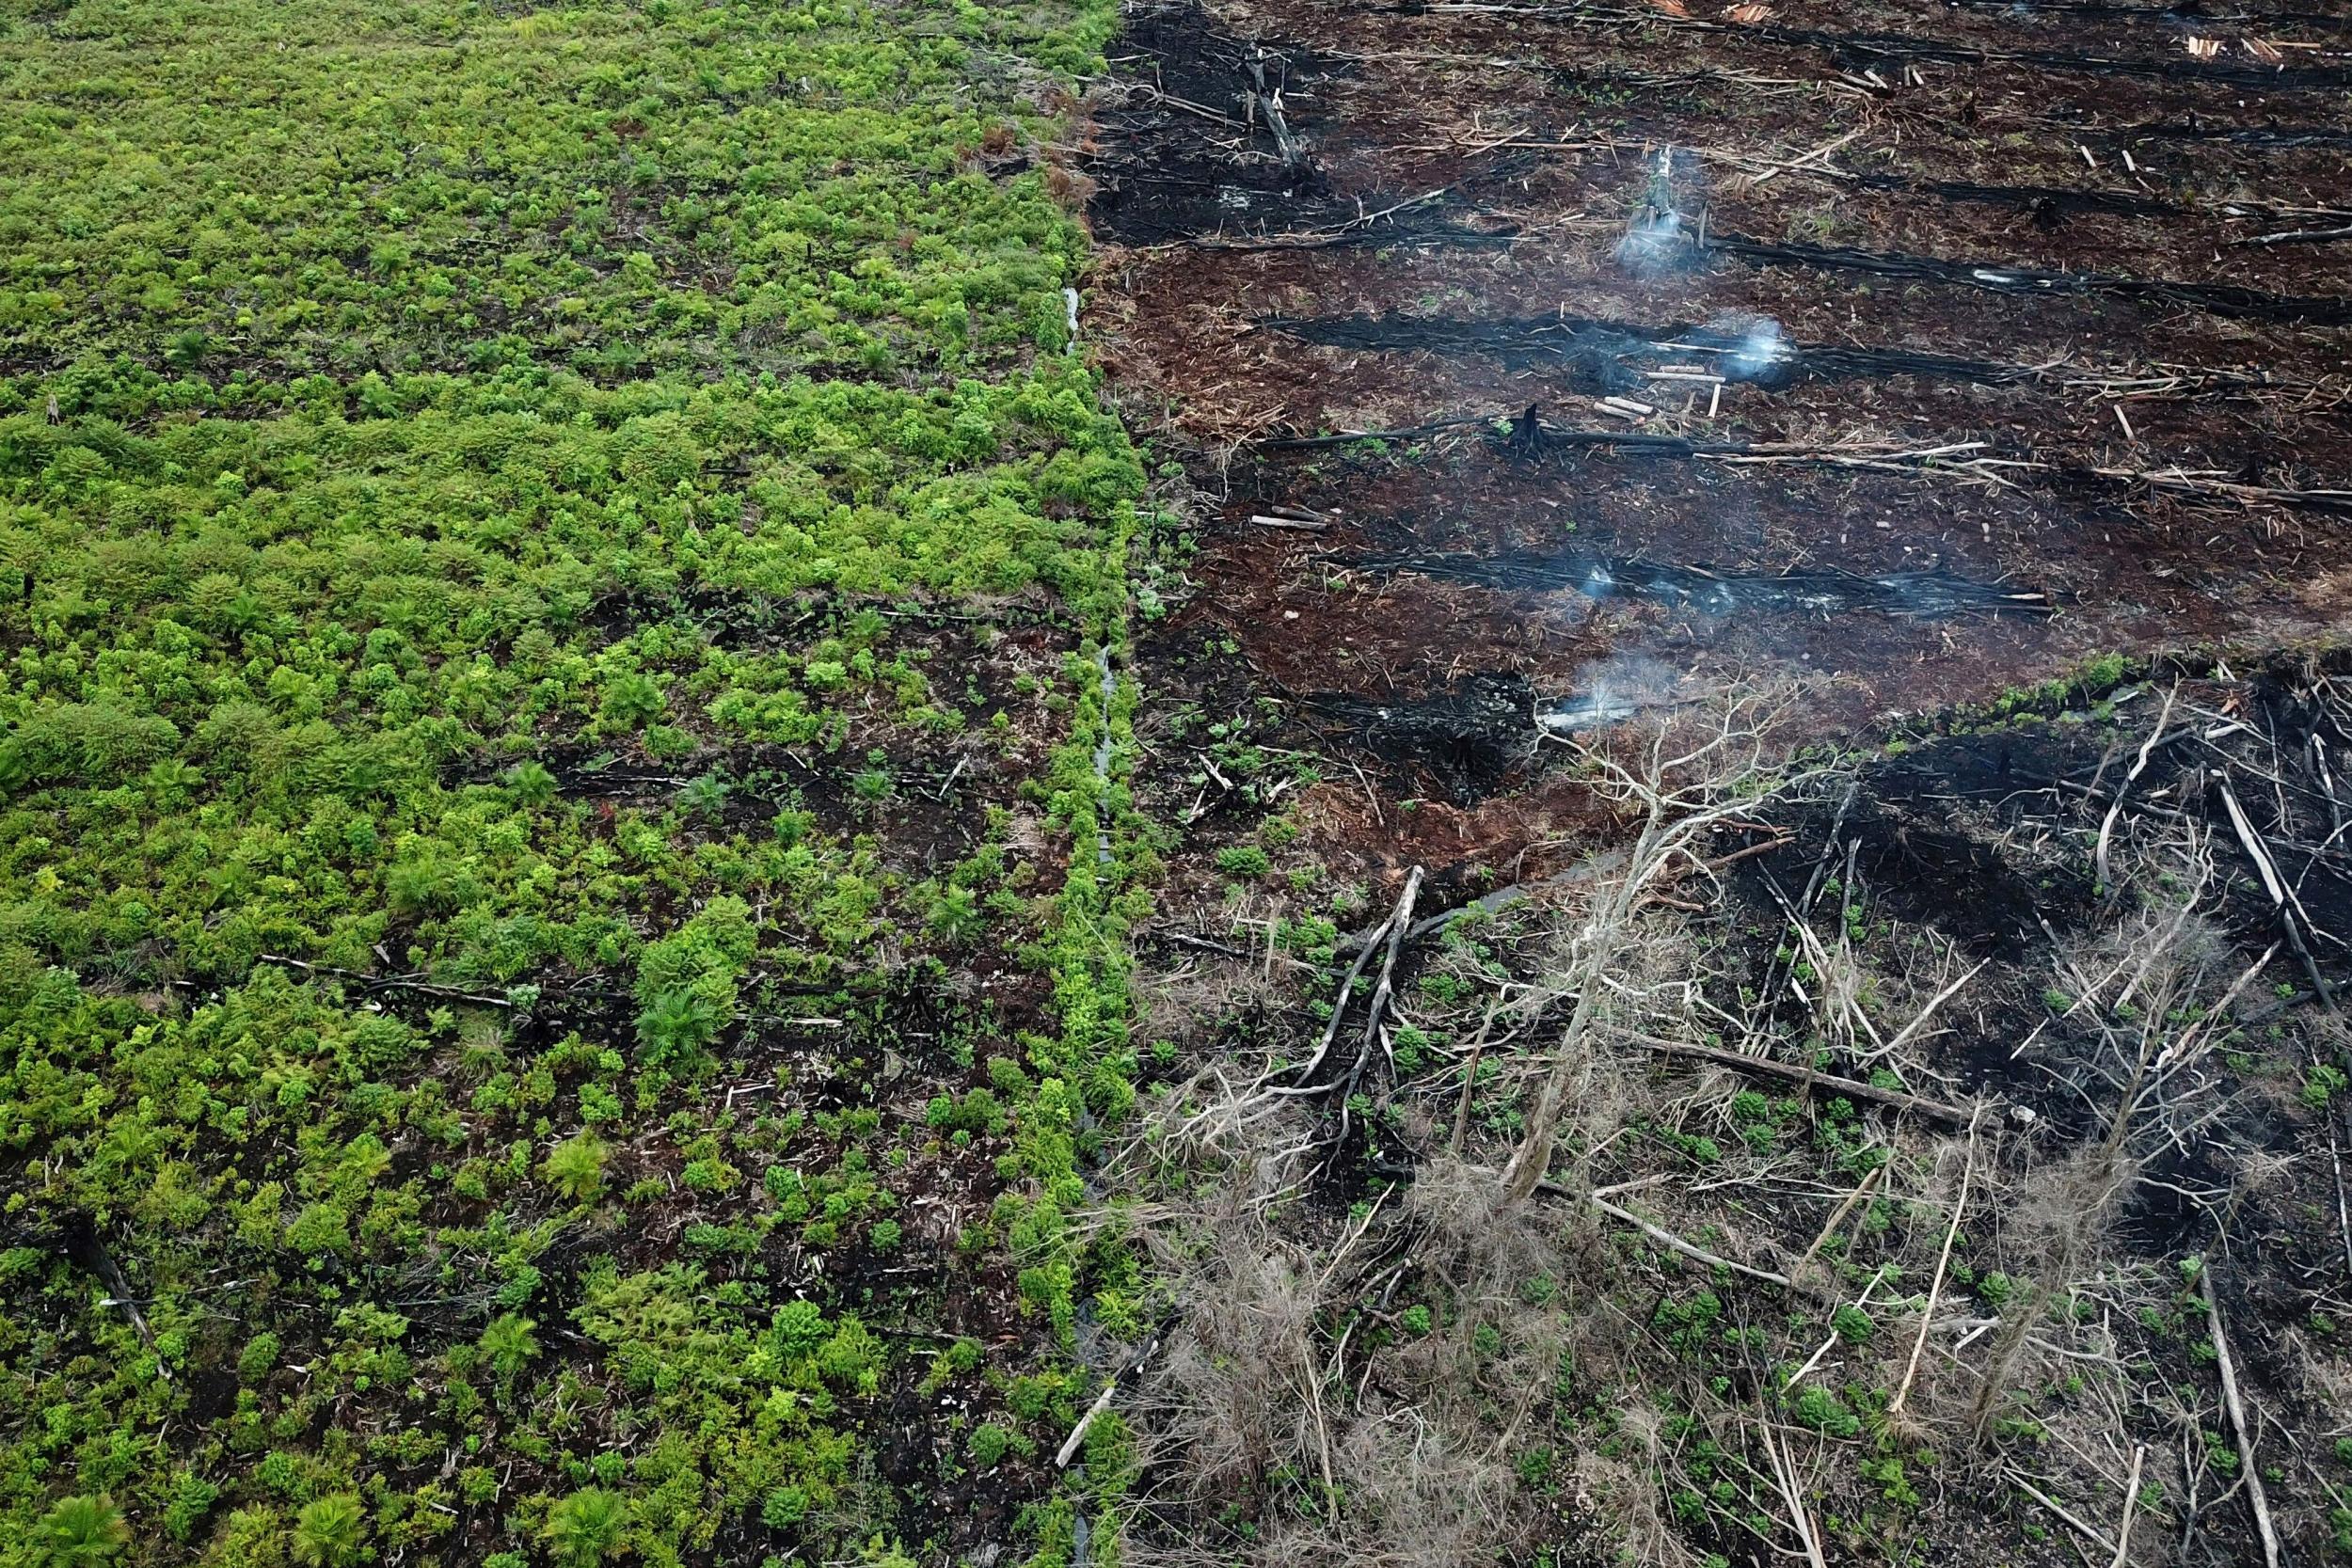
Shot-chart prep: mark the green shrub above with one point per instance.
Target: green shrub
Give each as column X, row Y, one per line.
column 583, row 1527
column 80, row 1531
column 677, row 1029
column 1824, row 1412
column 988, row 1444
column 575, row 1167
column 330, row 1532
column 509, row 1344
column 1243, row 859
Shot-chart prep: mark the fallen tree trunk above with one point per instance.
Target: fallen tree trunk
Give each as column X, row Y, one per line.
column 1851, row 1089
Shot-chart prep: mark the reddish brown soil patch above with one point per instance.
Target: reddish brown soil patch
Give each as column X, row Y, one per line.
column 2019, row 238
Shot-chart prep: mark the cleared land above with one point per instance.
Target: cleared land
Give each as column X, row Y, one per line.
column 1752, row 689
column 1660, row 874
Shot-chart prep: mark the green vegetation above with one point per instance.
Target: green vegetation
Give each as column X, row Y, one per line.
column 81, row 1530
column 509, row 520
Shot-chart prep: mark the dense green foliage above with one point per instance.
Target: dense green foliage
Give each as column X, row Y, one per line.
column 562, row 852
column 394, row 186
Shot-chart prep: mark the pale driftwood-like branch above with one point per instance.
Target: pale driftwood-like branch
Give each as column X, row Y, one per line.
column 1338, row 1006
column 1785, row 1472
column 2290, row 909
column 1903, row 1035
column 1502, row 898
column 1664, row 1237
column 1935, row 1288
column 1398, row 924
column 1069, row 1450
column 2131, row 1501
column 1831, row 1342
column 2089, row 1531
column 1673, row 1242
column 1470, row 1078
column 2255, row 1497
column 2140, row 765
column 1078, row 1433
column 1837, row 1218
column 387, row 982
column 2297, row 236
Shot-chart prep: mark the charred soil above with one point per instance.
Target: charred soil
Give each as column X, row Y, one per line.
column 1547, row 378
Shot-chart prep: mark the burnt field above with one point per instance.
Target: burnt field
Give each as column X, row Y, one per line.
column 1745, row 653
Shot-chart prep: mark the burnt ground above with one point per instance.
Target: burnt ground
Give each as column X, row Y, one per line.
column 1954, row 346
column 1539, row 367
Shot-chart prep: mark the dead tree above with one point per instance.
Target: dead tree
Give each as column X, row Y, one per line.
column 1689, row 776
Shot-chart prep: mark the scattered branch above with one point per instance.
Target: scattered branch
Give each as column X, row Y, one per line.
column 1936, row 1290
column 2248, row 1471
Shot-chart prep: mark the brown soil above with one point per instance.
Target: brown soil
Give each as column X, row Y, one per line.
column 1970, row 265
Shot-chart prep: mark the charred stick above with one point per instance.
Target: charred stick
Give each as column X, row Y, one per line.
column 2137, row 808
column 1272, row 104
column 1851, row 1088
column 1186, row 106
column 1349, row 437
column 95, row 1257
column 1828, row 848
column 1270, row 99
column 1813, row 883
column 1749, row 852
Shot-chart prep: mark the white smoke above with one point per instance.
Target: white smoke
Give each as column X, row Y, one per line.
column 1761, row 349
column 1610, row 691
column 1655, row 237
column 1652, row 241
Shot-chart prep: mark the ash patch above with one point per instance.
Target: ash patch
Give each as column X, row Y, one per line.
column 1604, row 355
column 1207, row 133
column 1472, row 735
column 1710, row 592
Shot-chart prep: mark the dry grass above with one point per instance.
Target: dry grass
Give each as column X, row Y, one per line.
column 1439, row 1374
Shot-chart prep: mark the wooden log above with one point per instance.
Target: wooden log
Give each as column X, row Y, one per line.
column 1851, row 1089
